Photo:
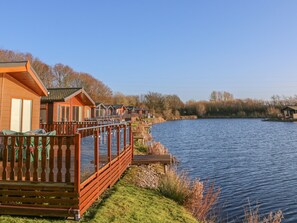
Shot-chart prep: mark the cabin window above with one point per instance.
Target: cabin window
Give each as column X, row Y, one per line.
column 27, row 115
column 87, row 113
column 59, row 113
column 43, row 118
column 77, row 113
column 21, row 115
column 63, row 113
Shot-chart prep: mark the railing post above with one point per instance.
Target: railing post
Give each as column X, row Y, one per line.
column 74, row 126
column 5, row 158
column 131, row 139
column 118, row 140
column 109, row 143
column 125, row 136
column 77, row 163
column 96, row 150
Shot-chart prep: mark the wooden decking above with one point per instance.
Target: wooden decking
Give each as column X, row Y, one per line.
column 150, row 159
column 44, row 173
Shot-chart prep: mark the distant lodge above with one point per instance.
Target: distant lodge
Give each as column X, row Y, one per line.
column 289, row 112
column 75, row 105
column 102, row 111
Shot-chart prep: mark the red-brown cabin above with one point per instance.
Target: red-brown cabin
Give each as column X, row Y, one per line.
column 66, row 105
column 20, row 93
column 119, row 110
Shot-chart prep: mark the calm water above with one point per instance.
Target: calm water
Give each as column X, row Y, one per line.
column 251, row 160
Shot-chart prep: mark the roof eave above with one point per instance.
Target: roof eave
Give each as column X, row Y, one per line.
column 25, row 67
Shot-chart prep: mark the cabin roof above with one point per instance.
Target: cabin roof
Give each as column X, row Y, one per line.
column 109, row 106
column 118, row 106
column 63, row 94
column 130, row 107
column 24, row 73
column 100, row 104
column 290, row 108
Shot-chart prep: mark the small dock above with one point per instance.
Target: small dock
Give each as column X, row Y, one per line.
column 150, row 159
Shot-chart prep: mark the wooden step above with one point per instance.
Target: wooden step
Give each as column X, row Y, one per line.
column 150, row 159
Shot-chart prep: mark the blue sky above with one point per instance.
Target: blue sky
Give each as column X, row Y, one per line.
column 183, row 47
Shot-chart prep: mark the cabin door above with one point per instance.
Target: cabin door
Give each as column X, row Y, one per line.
column 16, row 115
column 27, row 115
column 21, row 115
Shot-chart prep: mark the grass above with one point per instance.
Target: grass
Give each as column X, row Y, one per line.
column 140, row 149
column 196, row 196
column 125, row 202
column 10, row 219
column 130, row 203
column 251, row 215
column 174, row 186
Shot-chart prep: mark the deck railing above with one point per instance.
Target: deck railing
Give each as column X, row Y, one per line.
column 44, row 173
column 70, row 128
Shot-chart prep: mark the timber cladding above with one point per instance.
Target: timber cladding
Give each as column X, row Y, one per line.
column 11, row 88
column 52, row 112
column 46, row 199
column 41, row 175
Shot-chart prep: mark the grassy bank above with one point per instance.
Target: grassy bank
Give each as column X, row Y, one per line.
column 125, row 202
column 130, row 203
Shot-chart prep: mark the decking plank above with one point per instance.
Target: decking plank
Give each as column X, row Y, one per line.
column 150, row 159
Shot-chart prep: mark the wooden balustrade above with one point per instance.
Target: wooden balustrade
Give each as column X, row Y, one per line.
column 43, row 173
column 37, row 158
column 70, row 128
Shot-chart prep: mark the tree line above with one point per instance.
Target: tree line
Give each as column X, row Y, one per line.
column 220, row 104
column 61, row 75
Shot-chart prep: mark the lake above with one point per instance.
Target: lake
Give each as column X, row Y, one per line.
column 250, row 160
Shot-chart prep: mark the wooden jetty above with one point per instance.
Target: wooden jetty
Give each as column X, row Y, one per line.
column 149, row 159
column 166, row 159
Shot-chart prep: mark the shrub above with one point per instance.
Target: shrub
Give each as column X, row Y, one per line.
column 196, row 196
column 251, row 215
column 156, row 148
column 174, row 186
column 201, row 199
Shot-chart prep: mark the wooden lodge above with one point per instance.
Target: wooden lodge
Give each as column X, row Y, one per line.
column 66, row 105
column 45, row 175
column 100, row 111
column 20, row 93
column 119, row 110
column 62, row 172
column 133, row 111
column 59, row 173
column 290, row 112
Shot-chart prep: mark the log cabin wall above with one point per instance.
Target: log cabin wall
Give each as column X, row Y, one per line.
column 11, row 88
column 52, row 114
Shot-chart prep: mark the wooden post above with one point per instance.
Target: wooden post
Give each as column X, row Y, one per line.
column 131, row 140
column 109, row 143
column 74, row 126
column 77, row 163
column 96, row 150
column 20, row 158
column 125, row 136
column 5, row 158
column 69, row 141
column 59, row 159
column 118, row 141
column 43, row 159
column 51, row 159
column 12, row 157
column 28, row 158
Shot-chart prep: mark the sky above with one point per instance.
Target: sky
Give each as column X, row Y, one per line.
column 183, row 47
